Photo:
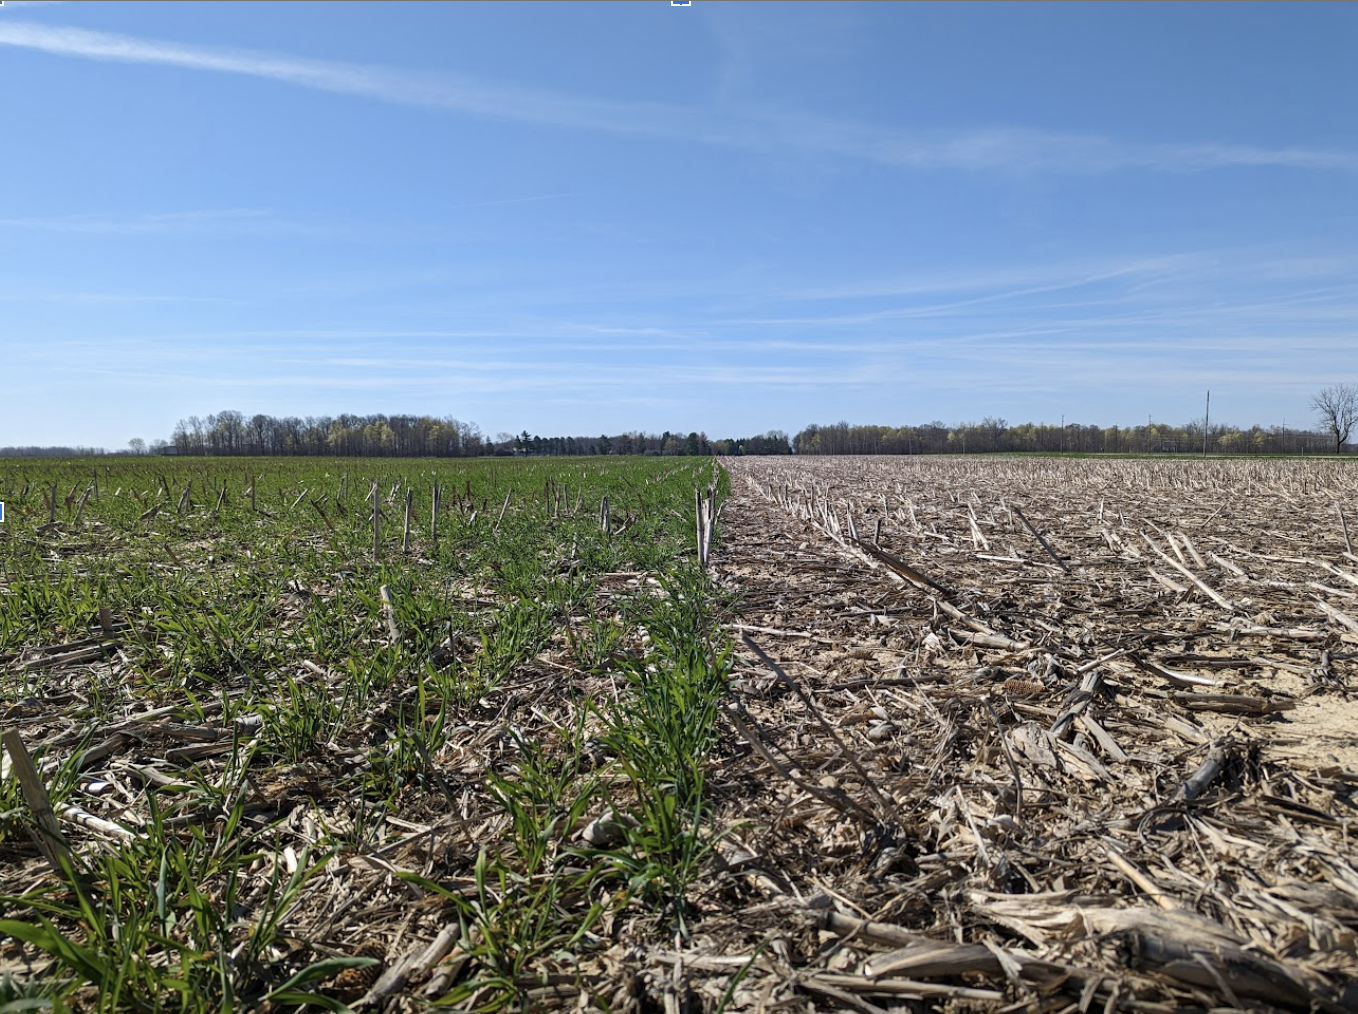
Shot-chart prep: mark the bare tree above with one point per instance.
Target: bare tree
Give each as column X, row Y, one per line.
column 1337, row 408
column 994, row 429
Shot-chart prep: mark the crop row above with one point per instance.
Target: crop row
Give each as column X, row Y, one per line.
column 236, row 678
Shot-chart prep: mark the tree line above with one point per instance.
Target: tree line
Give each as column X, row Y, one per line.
column 51, row 452
column 637, row 442
column 992, row 435
column 406, row 436
column 1336, row 409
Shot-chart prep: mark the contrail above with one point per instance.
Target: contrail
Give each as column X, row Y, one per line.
column 993, row 150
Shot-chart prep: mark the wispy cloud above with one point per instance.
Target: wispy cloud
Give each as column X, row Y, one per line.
column 510, row 200
column 1006, row 149
column 496, row 101
column 256, row 222
column 1030, row 150
column 1006, row 279
column 114, row 298
column 141, row 224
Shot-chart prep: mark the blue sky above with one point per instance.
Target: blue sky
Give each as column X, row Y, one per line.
column 579, row 218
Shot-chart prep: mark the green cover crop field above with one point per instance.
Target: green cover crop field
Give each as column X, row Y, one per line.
column 271, row 736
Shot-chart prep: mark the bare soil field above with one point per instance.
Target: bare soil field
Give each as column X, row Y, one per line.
column 1055, row 734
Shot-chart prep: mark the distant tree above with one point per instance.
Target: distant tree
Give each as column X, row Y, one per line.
column 605, row 445
column 137, row 445
column 229, row 432
column 196, row 431
column 993, row 429
column 261, row 428
column 807, row 441
column 182, row 437
column 1337, row 408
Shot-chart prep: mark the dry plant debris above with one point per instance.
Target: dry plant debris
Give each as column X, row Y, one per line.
column 990, row 734
column 1082, row 733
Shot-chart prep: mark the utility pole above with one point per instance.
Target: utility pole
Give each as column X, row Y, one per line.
column 1206, row 423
